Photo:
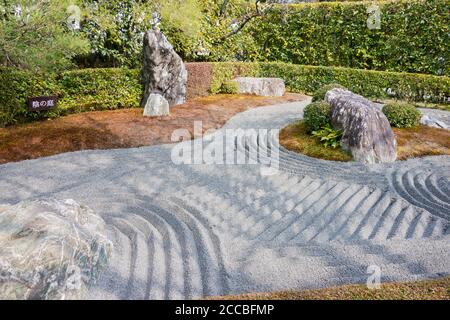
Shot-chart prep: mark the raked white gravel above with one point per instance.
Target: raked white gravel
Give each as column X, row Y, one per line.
column 189, row 231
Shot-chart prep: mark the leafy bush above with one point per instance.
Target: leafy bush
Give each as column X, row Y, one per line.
column 322, row 91
column 336, row 34
column 317, row 115
column 224, row 71
column 230, row 87
column 402, row 115
column 328, row 136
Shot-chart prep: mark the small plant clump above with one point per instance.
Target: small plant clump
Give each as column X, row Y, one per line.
column 229, row 87
column 320, row 93
column 329, row 136
column 317, row 115
column 402, row 115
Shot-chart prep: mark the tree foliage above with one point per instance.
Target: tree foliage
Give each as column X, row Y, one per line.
column 115, row 28
column 34, row 34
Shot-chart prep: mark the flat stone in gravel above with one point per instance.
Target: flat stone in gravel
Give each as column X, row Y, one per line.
column 268, row 87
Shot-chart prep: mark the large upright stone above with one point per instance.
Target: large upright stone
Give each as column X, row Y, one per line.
column 163, row 71
column 367, row 133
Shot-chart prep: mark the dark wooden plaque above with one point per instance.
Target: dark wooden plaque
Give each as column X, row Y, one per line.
column 42, row 103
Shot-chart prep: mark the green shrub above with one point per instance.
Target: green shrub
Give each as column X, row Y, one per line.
column 328, row 136
column 320, row 93
column 317, row 115
column 336, row 34
column 229, row 87
column 402, row 115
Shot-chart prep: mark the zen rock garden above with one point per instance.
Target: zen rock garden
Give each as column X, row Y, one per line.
column 95, row 204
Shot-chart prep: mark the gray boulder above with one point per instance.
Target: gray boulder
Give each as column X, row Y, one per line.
column 367, row 134
column 268, row 87
column 50, row 249
column 164, row 72
column 156, row 105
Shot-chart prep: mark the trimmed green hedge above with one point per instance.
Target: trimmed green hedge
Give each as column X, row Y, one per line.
column 78, row 91
column 372, row 84
column 100, row 89
column 413, row 37
column 16, row 87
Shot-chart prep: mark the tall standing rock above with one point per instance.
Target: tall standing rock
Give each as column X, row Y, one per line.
column 164, row 74
column 367, row 133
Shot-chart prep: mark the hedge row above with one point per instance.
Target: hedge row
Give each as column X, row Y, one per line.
column 372, row 84
column 413, row 35
column 101, row 89
column 78, row 91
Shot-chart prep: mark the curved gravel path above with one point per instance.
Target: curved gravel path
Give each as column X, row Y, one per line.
column 188, row 231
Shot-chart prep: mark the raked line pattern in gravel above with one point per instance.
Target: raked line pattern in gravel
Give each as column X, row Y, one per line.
column 189, row 231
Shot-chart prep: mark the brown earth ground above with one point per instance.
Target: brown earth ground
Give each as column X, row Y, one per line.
column 124, row 128
column 438, row 289
column 412, row 143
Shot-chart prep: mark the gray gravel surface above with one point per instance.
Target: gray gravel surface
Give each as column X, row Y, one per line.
column 188, row 231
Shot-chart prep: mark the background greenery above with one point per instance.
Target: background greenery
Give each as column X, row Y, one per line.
column 414, row 35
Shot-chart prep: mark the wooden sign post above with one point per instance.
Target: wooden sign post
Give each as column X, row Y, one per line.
column 42, row 103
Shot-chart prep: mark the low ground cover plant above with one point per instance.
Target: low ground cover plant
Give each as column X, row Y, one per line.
column 229, row 87
column 328, row 136
column 295, row 137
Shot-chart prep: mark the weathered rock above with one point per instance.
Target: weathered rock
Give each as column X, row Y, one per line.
column 268, row 87
column 164, row 72
column 367, row 133
column 50, row 249
column 156, row 105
